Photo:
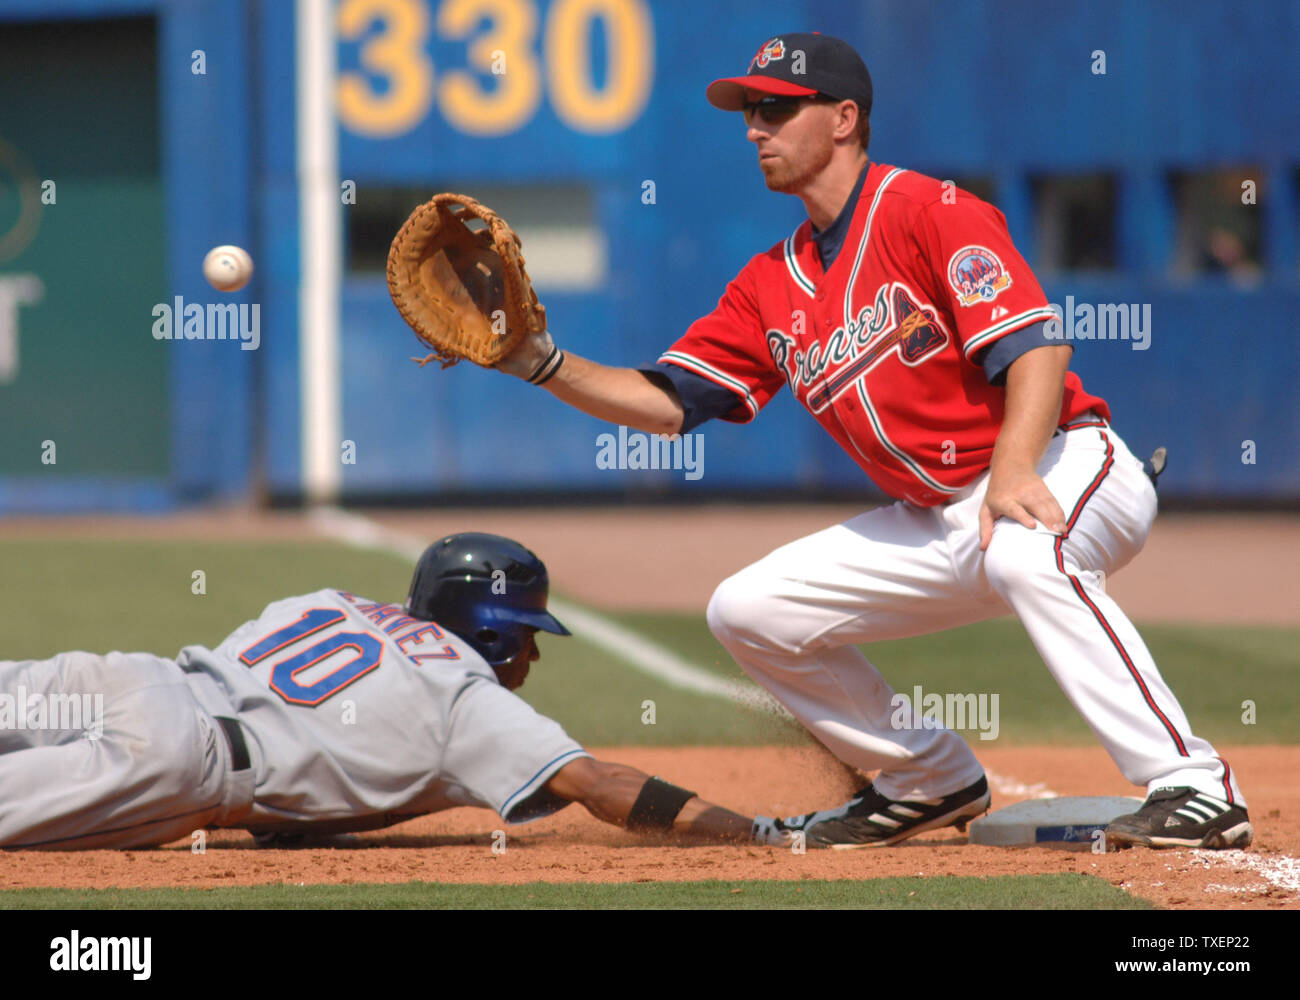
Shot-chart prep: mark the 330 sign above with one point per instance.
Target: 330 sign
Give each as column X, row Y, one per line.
column 502, row 88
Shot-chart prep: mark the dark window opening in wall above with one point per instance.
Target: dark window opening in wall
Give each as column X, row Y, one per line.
column 1075, row 220
column 565, row 248
column 980, row 185
column 1218, row 229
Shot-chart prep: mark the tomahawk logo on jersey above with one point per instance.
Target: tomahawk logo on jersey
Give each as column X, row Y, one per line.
column 884, row 348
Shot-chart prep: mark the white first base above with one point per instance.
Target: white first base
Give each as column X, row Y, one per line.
column 1067, row 821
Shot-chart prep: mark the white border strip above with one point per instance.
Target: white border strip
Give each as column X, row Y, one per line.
column 622, row 643
column 865, row 242
column 796, row 272
column 1023, row 319
column 715, row 375
column 319, row 251
column 896, row 451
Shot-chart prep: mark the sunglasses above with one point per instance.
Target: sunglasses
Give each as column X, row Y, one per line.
column 777, row 110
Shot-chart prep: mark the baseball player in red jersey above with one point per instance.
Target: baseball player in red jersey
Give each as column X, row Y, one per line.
column 903, row 318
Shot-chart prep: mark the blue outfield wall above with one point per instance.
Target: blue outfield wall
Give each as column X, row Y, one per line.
column 210, row 173
column 1002, row 89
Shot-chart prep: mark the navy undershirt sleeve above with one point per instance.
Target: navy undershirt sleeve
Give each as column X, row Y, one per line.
column 701, row 399
column 997, row 358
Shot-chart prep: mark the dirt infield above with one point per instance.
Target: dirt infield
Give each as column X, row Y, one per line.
column 1201, row 568
column 1195, row 567
column 456, row 846
column 1207, row 568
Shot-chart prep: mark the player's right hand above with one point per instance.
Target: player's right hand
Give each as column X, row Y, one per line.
column 1022, row 497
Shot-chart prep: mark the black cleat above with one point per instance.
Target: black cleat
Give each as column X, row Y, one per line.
column 871, row 820
column 1182, row 817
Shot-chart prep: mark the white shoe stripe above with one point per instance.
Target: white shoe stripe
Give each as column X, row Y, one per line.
column 1197, row 809
column 884, row 820
column 1189, row 814
column 1218, row 805
column 902, row 810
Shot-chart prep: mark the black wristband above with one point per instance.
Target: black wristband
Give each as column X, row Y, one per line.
column 657, row 805
column 548, row 367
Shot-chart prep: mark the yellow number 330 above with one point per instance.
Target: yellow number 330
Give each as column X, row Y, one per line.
column 397, row 54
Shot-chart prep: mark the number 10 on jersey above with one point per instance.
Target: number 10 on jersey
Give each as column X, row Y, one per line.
column 369, row 653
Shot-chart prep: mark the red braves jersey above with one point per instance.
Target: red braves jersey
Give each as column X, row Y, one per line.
column 883, row 349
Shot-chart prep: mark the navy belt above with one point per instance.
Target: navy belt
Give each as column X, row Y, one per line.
column 239, row 758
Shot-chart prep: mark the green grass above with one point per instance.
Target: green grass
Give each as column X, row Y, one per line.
column 1212, row 669
column 100, row 595
column 136, row 595
column 1018, row 892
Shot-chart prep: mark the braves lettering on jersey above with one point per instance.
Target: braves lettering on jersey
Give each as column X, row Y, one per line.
column 883, row 348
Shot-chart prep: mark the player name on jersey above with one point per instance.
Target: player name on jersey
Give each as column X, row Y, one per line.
column 393, row 619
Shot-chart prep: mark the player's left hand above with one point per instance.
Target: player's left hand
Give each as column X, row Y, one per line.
column 772, row 832
column 1023, row 497
column 535, row 354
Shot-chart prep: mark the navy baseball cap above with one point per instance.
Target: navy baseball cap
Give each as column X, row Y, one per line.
column 798, row 65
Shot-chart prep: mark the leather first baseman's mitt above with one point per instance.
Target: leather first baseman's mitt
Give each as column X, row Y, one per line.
column 466, row 294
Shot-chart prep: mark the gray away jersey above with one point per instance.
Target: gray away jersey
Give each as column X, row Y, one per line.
column 359, row 716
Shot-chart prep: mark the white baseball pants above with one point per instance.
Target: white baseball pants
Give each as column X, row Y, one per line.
column 792, row 621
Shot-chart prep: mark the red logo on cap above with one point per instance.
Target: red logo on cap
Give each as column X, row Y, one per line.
column 773, row 50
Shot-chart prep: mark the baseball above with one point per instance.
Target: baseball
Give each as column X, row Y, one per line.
column 228, row 268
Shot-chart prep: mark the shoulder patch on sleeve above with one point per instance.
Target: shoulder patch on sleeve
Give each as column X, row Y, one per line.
column 976, row 275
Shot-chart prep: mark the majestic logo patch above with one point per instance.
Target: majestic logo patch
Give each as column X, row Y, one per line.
column 976, row 275
column 894, row 324
column 770, row 52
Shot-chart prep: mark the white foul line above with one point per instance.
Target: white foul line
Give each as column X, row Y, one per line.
column 1280, row 870
column 1007, row 785
column 623, row 643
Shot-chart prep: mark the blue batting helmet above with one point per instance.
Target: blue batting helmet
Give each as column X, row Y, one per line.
column 487, row 589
